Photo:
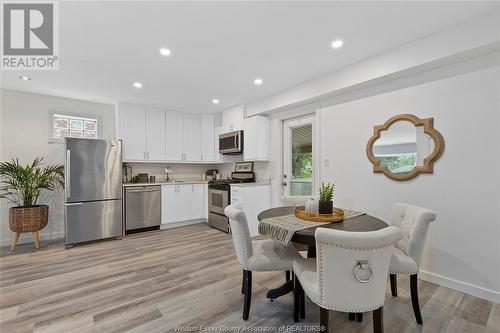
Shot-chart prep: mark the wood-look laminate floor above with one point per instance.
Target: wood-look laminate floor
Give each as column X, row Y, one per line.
column 187, row 278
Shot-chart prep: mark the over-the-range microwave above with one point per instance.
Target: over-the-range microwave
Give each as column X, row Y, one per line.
column 231, row 143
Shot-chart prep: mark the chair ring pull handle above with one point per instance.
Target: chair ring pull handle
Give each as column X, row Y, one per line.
column 363, row 266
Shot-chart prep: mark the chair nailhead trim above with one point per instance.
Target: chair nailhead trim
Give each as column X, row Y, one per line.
column 353, row 248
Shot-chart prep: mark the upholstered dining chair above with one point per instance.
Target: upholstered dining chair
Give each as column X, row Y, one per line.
column 349, row 273
column 258, row 255
column 414, row 222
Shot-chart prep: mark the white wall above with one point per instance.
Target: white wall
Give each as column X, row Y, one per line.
column 24, row 134
column 463, row 247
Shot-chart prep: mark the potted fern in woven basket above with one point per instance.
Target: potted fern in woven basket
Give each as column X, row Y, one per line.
column 22, row 186
column 325, row 198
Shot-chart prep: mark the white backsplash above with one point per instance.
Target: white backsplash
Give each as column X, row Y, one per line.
column 263, row 170
column 179, row 171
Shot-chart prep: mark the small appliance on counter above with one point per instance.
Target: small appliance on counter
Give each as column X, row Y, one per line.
column 211, row 174
column 143, row 177
column 219, row 194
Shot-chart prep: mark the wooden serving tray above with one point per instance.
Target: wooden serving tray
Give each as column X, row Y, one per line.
column 336, row 216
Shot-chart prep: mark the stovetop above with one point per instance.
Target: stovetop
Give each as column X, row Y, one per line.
column 230, row 181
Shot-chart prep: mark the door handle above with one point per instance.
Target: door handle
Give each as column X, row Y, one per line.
column 141, row 191
column 74, row 204
column 67, row 175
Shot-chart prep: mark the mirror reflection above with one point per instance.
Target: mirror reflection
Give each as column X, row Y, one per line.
column 402, row 147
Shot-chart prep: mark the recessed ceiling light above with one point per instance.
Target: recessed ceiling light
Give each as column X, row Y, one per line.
column 215, row 101
column 337, row 44
column 165, row 52
column 25, row 78
column 138, row 85
column 258, row 81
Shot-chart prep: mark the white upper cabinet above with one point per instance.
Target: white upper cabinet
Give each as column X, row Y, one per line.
column 256, row 139
column 132, row 130
column 217, row 155
column 232, row 119
column 192, row 137
column 174, row 128
column 207, row 138
column 155, row 134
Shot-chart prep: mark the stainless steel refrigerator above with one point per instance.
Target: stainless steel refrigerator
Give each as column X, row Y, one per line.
column 93, row 190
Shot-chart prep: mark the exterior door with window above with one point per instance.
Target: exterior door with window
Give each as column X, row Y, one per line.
column 299, row 156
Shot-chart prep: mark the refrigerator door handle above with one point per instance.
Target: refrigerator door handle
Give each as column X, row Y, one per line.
column 67, row 174
column 74, row 204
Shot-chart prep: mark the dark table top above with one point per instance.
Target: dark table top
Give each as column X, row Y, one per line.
column 306, row 236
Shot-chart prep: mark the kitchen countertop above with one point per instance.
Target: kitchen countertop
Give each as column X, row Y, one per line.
column 251, row 184
column 187, row 182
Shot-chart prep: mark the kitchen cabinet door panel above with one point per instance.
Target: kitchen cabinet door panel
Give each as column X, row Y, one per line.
column 169, row 204
column 174, row 136
column 132, row 130
column 184, row 204
column 257, row 144
column 192, row 137
column 197, row 201
column 207, row 138
column 155, row 134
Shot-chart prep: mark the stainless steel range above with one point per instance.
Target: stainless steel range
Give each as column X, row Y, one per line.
column 219, row 197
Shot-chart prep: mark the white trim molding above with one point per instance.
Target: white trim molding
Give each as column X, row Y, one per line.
column 467, row 288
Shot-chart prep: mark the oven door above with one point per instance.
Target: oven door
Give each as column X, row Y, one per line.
column 217, row 200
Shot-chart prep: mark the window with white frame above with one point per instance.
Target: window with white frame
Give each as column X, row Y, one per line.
column 64, row 125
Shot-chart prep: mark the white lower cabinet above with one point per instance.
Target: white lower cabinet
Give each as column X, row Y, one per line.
column 169, row 205
column 253, row 199
column 182, row 202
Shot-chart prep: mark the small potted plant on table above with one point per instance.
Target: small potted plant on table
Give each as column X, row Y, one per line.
column 22, row 186
column 325, row 198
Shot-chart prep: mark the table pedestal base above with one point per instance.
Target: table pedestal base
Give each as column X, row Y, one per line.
column 287, row 287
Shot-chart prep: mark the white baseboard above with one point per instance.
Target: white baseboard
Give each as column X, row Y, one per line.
column 467, row 288
column 28, row 238
column 182, row 223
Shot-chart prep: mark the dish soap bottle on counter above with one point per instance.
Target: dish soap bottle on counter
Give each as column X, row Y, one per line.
column 311, row 206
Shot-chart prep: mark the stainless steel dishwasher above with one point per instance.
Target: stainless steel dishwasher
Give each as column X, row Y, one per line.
column 142, row 208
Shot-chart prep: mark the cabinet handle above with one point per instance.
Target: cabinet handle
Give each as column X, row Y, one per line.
column 67, row 173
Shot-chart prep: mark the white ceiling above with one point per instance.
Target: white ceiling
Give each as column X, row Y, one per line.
column 218, row 48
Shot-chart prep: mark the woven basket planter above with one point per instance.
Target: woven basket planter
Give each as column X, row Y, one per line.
column 29, row 219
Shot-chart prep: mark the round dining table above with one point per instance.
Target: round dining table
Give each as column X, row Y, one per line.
column 306, row 236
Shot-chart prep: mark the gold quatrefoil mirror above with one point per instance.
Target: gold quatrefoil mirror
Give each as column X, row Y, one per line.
column 404, row 147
